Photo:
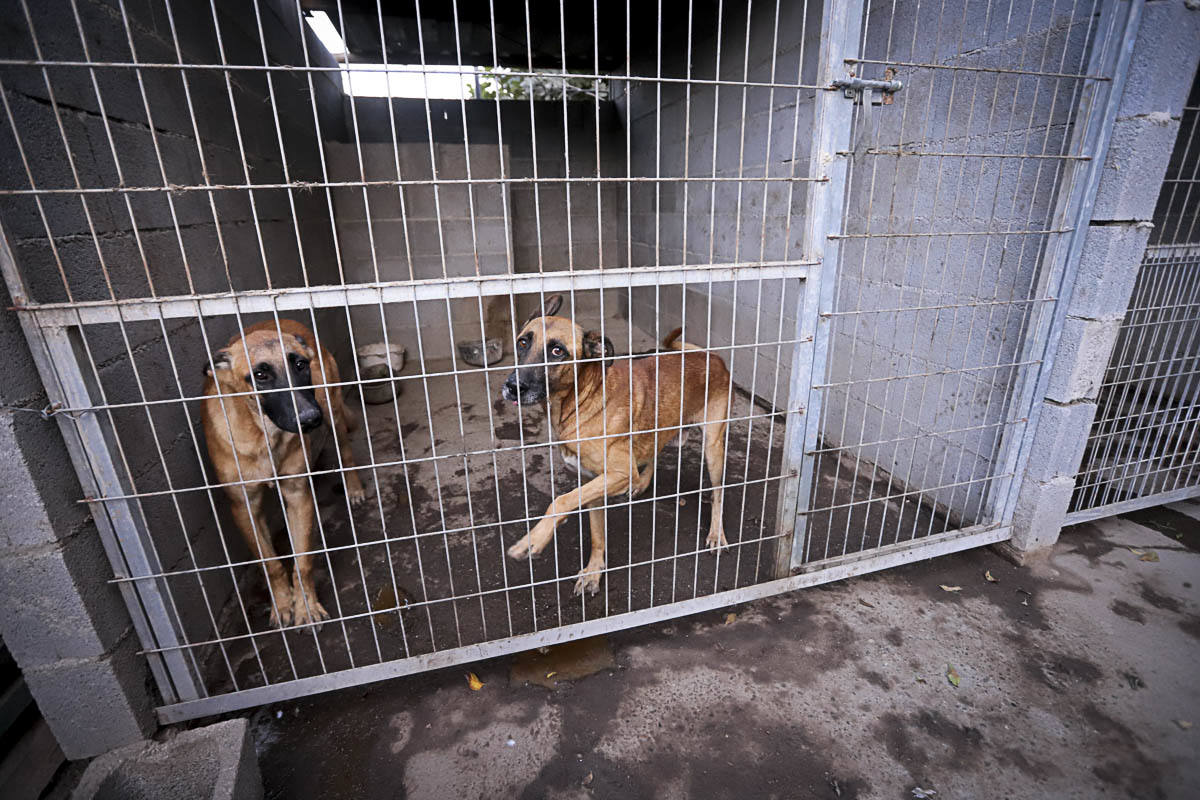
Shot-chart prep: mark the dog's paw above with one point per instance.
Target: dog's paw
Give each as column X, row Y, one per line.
column 281, row 606
column 307, row 610
column 716, row 540
column 354, row 489
column 520, row 550
column 589, row 581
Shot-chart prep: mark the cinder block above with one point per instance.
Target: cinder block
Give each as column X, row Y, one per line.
column 1133, row 172
column 1108, row 268
column 97, row 704
column 1040, row 513
column 1164, row 60
column 58, row 604
column 1083, row 353
column 217, row 761
column 1059, row 440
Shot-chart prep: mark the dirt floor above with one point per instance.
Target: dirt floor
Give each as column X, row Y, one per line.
column 1074, row 678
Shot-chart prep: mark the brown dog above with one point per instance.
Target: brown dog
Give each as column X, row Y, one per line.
column 256, row 437
column 596, row 410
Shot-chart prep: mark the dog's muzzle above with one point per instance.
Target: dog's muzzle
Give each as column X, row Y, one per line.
column 520, row 390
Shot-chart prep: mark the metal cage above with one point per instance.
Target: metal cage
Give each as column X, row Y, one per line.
column 865, row 210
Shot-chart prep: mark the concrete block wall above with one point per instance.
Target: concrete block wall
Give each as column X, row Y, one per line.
column 725, row 132
column 65, row 624
column 1161, row 75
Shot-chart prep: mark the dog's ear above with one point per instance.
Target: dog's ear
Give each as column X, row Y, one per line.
column 220, row 360
column 553, row 304
column 597, row 346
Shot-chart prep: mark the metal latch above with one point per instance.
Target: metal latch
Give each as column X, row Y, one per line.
column 852, row 86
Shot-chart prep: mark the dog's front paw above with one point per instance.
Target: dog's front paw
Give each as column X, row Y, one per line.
column 354, row 489
column 307, row 610
column 281, row 607
column 716, row 540
column 520, row 550
column 589, row 580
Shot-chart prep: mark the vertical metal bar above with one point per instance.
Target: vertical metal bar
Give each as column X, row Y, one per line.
column 1061, row 275
column 841, row 22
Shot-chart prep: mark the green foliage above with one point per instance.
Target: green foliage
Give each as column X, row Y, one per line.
column 500, row 84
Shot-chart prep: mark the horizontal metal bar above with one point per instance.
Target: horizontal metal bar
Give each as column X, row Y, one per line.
column 380, row 69
column 957, row 67
column 815, row 574
column 306, row 186
column 59, row 315
column 947, row 233
column 871, row 151
column 1112, row 509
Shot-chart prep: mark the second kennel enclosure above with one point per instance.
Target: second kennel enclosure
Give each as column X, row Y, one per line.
column 865, row 209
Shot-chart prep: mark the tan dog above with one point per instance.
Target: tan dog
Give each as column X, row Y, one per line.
column 254, row 437
column 590, row 410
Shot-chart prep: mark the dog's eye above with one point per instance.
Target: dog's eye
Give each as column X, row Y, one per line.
column 523, row 343
column 301, row 365
column 557, row 351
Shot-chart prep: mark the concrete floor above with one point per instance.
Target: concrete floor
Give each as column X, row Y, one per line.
column 1077, row 678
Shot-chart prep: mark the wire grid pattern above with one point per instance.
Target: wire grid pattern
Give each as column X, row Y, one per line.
column 954, row 209
column 1144, row 445
column 180, row 171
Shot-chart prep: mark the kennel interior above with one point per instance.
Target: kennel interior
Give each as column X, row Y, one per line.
column 871, row 264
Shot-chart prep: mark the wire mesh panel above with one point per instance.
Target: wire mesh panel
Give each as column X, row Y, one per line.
column 1144, row 445
column 275, row 260
column 958, row 209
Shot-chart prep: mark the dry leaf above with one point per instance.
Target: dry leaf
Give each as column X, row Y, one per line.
column 865, row 603
column 1183, row 724
column 1137, row 552
column 474, row 682
column 587, row 779
column 952, row 675
column 921, row 680
column 946, row 588
column 1149, row 555
column 730, row 618
column 552, row 673
column 988, row 577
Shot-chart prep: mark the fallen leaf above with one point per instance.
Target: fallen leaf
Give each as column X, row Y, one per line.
column 1149, row 555
column 587, row 779
column 1137, row 552
column 1183, row 724
column 474, row 682
column 865, row 603
column 921, row 680
column 952, row 675
column 988, row 577
column 551, row 673
column 923, row 794
column 946, row 588
column 730, row 618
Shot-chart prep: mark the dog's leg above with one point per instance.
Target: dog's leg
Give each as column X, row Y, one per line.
column 301, row 513
column 715, row 413
column 246, row 505
column 589, row 577
column 536, row 540
column 354, row 487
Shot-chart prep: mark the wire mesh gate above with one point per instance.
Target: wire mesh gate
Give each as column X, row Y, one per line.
column 875, row 267
column 1144, row 445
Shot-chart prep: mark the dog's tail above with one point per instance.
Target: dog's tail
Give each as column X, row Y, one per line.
column 673, row 342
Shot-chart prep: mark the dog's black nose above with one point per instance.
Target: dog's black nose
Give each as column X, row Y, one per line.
column 310, row 418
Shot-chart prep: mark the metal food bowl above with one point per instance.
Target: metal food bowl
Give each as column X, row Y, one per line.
column 481, row 354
